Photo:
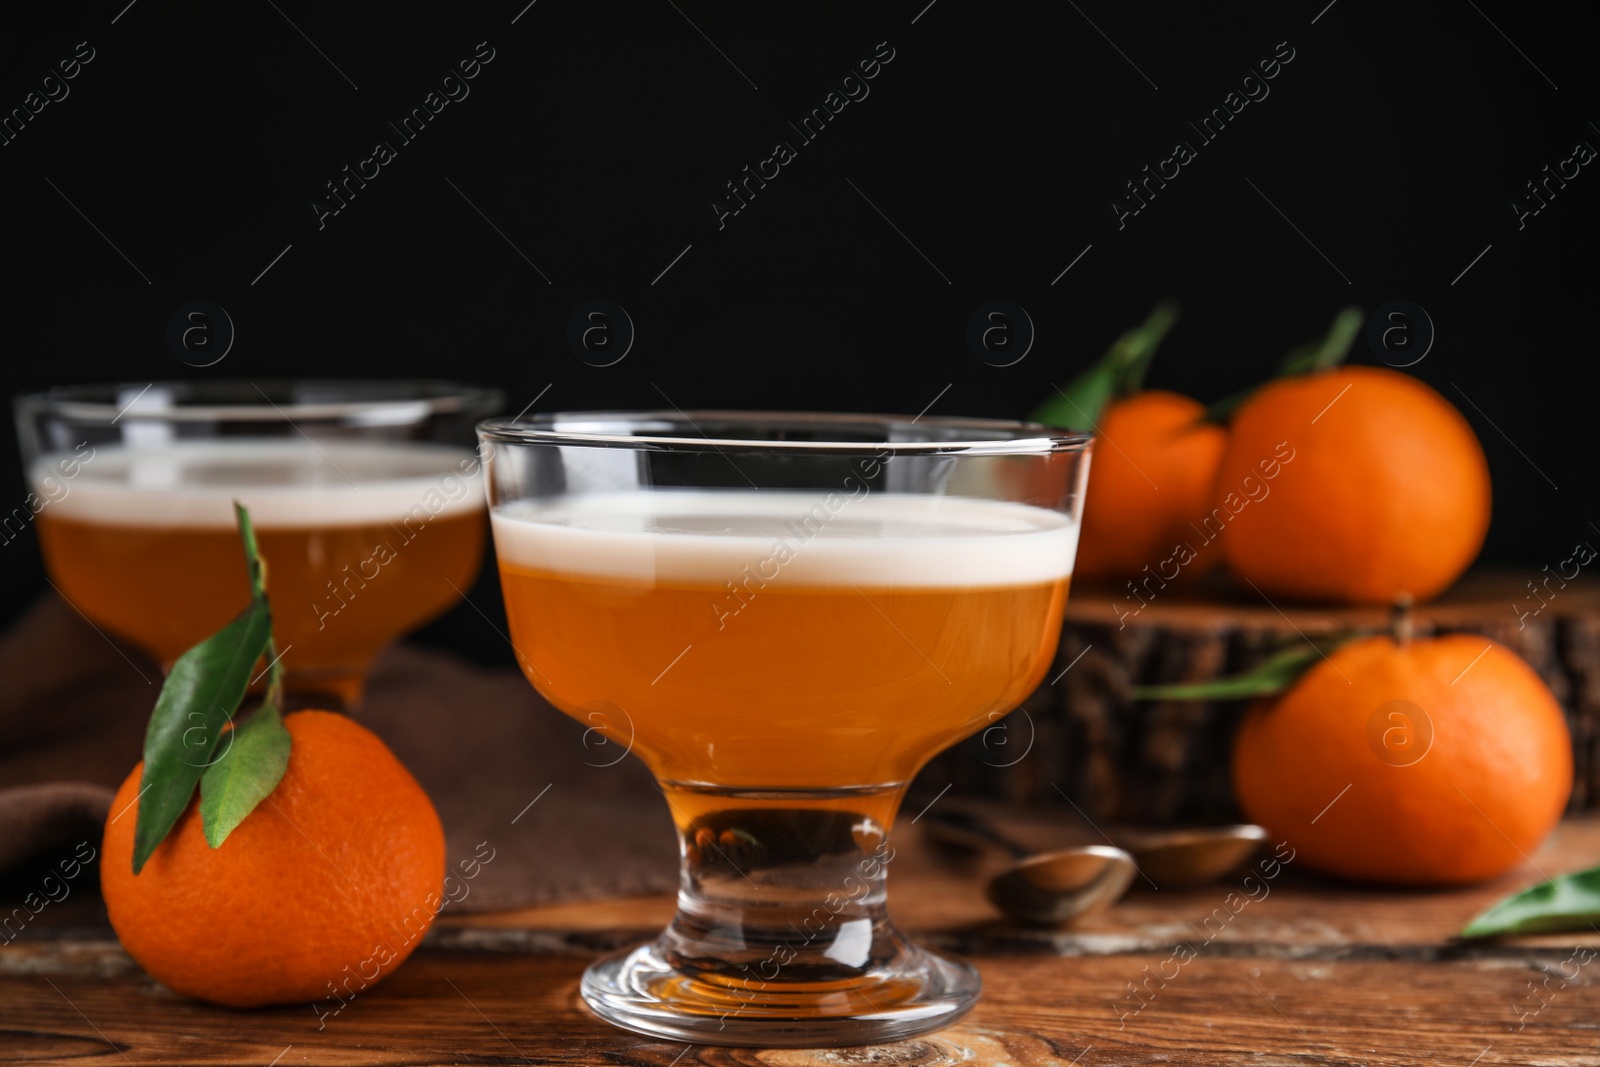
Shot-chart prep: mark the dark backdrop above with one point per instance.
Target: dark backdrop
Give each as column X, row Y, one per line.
column 186, row 155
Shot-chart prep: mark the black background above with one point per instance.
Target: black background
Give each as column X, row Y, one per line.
column 993, row 142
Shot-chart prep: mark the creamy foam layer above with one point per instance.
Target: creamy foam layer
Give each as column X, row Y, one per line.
column 874, row 540
column 285, row 482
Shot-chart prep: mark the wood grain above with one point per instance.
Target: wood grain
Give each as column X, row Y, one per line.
column 457, row 1006
column 1315, row 973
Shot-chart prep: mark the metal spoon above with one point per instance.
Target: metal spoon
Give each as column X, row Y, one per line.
column 1167, row 858
column 1068, row 885
column 1045, row 888
column 1192, row 857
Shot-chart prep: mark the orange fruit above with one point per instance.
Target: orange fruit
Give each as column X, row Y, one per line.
column 323, row 889
column 1153, row 470
column 1385, row 490
column 1456, row 758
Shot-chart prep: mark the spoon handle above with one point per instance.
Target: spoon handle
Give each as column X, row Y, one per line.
column 964, row 829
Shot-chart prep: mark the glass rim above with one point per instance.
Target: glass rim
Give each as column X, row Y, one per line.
column 428, row 396
column 1020, row 437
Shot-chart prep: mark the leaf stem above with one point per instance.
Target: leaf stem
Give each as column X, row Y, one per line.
column 1308, row 358
column 274, row 697
column 1402, row 626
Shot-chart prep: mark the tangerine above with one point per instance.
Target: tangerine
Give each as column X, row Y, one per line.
column 1386, row 490
column 1435, row 761
column 1153, row 472
column 326, row 886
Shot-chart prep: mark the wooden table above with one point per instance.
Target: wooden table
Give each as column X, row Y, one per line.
column 1315, row 972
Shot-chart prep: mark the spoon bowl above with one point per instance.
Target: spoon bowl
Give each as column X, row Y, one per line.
column 1068, row 885
column 1173, row 858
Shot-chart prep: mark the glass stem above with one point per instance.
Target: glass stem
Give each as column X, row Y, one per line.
column 782, row 888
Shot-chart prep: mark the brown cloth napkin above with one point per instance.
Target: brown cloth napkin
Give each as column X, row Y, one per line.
column 73, row 709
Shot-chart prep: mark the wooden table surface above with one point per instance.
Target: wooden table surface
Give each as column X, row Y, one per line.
column 1314, row 972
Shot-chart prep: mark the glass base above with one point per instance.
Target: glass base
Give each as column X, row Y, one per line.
column 782, row 936
column 917, row 992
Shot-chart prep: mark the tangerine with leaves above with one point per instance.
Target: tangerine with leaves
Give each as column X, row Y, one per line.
column 1491, row 783
column 1388, row 493
column 1154, row 464
column 323, row 888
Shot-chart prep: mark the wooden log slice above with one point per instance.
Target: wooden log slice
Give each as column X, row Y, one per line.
column 1079, row 739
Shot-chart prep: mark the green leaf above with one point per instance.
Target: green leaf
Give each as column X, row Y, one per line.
column 1309, row 358
column 1118, row 373
column 1570, row 902
column 1272, row 675
column 199, row 697
column 1328, row 352
column 1135, row 349
column 246, row 774
column 1079, row 405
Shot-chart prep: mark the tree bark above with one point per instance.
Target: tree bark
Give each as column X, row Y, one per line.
column 1158, row 762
